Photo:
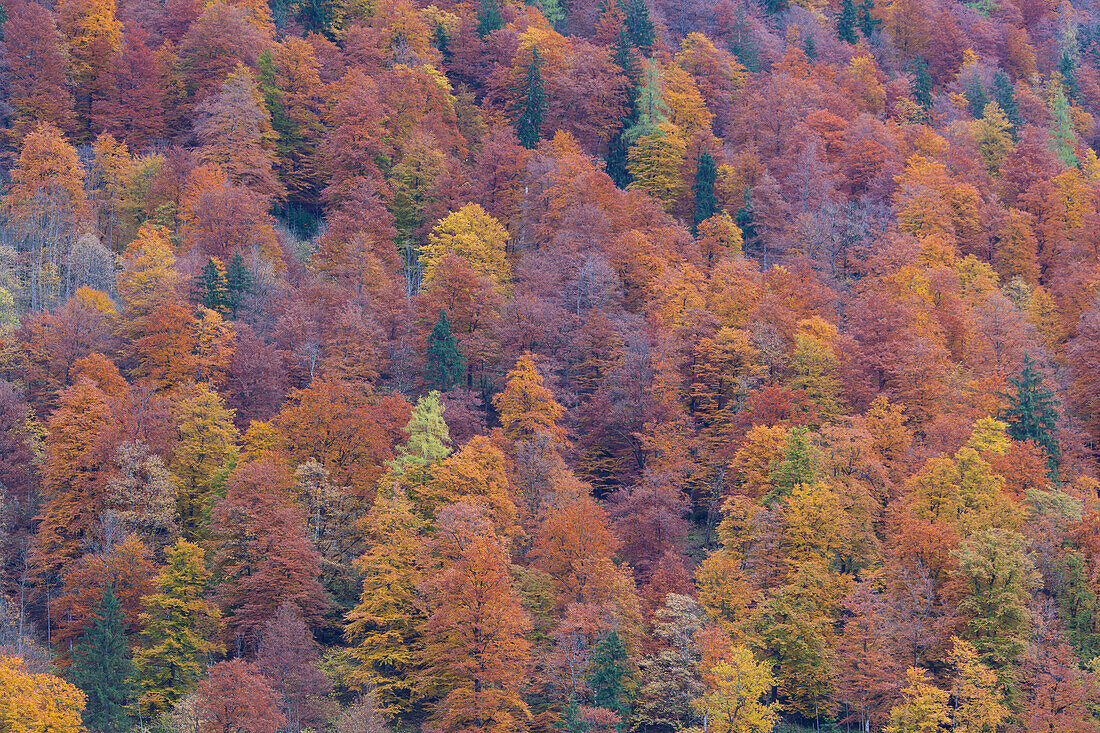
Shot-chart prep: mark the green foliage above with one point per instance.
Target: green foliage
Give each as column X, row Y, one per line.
column 489, row 18
column 531, row 103
column 429, row 437
column 742, row 44
column 706, row 204
column 1032, row 414
column 609, row 674
column 211, row 288
column 846, row 22
column 639, row 26
column 1067, row 67
column 102, row 668
column 444, row 364
column 1078, row 606
column 920, row 83
column 798, row 466
column 998, row 577
column 180, row 630
column 1063, row 139
column 1005, row 96
column 976, row 96
column 868, row 23
column 239, row 282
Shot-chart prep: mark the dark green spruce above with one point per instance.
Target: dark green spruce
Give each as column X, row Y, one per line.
column 103, row 670
column 443, row 363
column 1032, row 414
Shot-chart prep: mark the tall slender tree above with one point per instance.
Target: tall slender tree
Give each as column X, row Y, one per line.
column 531, row 103
column 443, row 363
column 1032, row 413
column 102, row 668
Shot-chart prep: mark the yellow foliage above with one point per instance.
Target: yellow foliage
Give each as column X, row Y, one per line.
column 473, row 235
column 686, row 107
column 655, row 160
column 37, row 703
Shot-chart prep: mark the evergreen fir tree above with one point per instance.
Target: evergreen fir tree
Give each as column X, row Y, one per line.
column 571, row 721
column 102, row 668
column 921, row 83
column 211, row 288
column 868, row 23
column 439, row 37
column 443, row 363
column 1063, row 136
column 741, row 43
column 489, row 18
column 846, row 22
column 1067, row 67
column 239, row 282
column 1032, row 413
column 639, row 26
column 532, row 103
column 776, row 6
column 809, row 46
column 706, row 205
column 608, row 675
column 617, row 151
column 976, row 97
column 627, row 60
column 744, row 218
column 1005, row 96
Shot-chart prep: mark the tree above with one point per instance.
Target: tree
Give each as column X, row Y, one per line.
column 476, row 648
column 47, row 205
column 706, row 205
column 234, row 128
column 180, row 630
column 473, row 235
column 37, row 702
column 263, row 555
column 530, row 102
column 978, row 704
column 924, row 707
column 639, row 26
column 526, row 406
column 94, row 37
column 994, row 137
column 489, row 17
column 386, row 625
column 204, row 456
column 736, row 686
column 1032, row 414
column 847, row 21
column 211, row 289
column 998, row 577
column 237, row 698
column 287, row 655
column 102, row 668
column 1005, row 97
column 444, row 365
column 75, row 472
column 37, row 89
column 920, row 85
column 654, row 161
column 238, row 281
column 610, row 675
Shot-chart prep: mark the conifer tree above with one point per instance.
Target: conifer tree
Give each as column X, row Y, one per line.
column 102, row 668
column 1005, row 97
column 639, row 26
column 1067, row 68
column 531, row 103
column 868, row 23
column 489, row 18
column 742, row 44
column 443, row 363
column 846, row 22
column 976, row 97
column 1032, row 413
column 921, row 84
column 609, row 673
column 706, row 204
column 239, row 281
column 211, row 289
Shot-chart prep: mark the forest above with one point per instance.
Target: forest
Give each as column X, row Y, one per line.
column 549, row 366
